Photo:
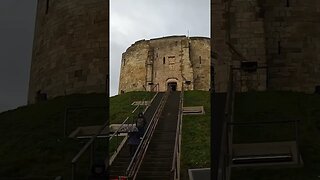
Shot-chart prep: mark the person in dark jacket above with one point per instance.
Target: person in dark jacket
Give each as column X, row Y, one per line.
column 133, row 140
column 141, row 124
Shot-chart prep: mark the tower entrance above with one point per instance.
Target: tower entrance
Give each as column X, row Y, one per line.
column 172, row 86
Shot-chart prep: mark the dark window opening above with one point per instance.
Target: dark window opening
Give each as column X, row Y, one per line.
column 164, row 60
column 47, row 6
column 249, row 66
column 288, row 3
column 122, row 91
column 124, row 62
column 172, row 86
column 78, row 73
column 279, row 47
column 317, row 90
column 199, row 59
column 40, row 96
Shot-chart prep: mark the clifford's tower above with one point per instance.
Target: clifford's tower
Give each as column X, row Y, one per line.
column 69, row 49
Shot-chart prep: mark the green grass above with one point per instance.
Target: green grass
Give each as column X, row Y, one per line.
column 121, row 108
column 272, row 106
column 32, row 141
column 195, row 133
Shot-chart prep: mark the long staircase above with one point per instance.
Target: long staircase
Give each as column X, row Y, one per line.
column 123, row 159
column 156, row 159
column 157, row 162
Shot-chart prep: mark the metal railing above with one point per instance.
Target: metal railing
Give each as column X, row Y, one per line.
column 90, row 143
column 224, row 170
column 225, row 158
column 294, row 123
column 175, row 168
column 138, row 156
column 116, row 133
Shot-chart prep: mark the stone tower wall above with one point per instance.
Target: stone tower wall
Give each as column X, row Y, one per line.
column 70, row 48
column 281, row 36
column 163, row 60
column 133, row 70
column 293, row 44
column 200, row 59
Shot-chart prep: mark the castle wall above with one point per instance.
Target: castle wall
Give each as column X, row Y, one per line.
column 70, row 48
column 164, row 60
column 133, row 72
column 200, row 58
column 292, row 35
column 169, row 56
column 219, row 37
column 281, row 36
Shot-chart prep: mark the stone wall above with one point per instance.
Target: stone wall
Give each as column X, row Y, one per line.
column 200, row 59
column 159, row 61
column 293, row 42
column 70, row 48
column 280, row 36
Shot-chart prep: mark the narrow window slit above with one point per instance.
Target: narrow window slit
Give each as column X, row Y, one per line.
column 47, row 6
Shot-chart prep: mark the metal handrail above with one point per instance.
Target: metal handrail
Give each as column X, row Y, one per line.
column 151, row 124
column 116, row 132
column 262, row 123
column 136, row 160
column 174, row 165
column 132, row 113
column 87, row 145
column 224, row 172
column 93, row 138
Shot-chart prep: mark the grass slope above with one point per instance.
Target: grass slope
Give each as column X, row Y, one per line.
column 195, row 133
column 32, row 142
column 272, row 106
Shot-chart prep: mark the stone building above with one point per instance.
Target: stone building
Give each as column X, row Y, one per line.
column 70, row 48
column 167, row 61
column 271, row 44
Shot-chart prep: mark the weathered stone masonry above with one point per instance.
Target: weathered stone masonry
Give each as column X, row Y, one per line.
column 173, row 59
column 273, row 44
column 70, row 48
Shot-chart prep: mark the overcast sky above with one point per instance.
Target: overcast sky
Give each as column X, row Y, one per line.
column 16, row 36
column 130, row 20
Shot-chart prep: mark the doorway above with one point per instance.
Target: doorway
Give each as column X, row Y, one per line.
column 172, row 86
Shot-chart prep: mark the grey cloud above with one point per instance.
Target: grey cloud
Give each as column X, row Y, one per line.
column 144, row 19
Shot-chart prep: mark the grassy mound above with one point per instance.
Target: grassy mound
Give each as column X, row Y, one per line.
column 196, row 133
column 32, row 139
column 274, row 106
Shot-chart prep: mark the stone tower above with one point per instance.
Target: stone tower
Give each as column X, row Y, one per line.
column 70, row 48
column 172, row 60
column 272, row 44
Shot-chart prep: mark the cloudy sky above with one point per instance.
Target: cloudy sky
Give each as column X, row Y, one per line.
column 16, row 36
column 132, row 20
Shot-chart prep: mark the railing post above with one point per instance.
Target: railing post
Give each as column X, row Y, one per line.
column 92, row 154
column 297, row 141
column 65, row 122
column 73, row 171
